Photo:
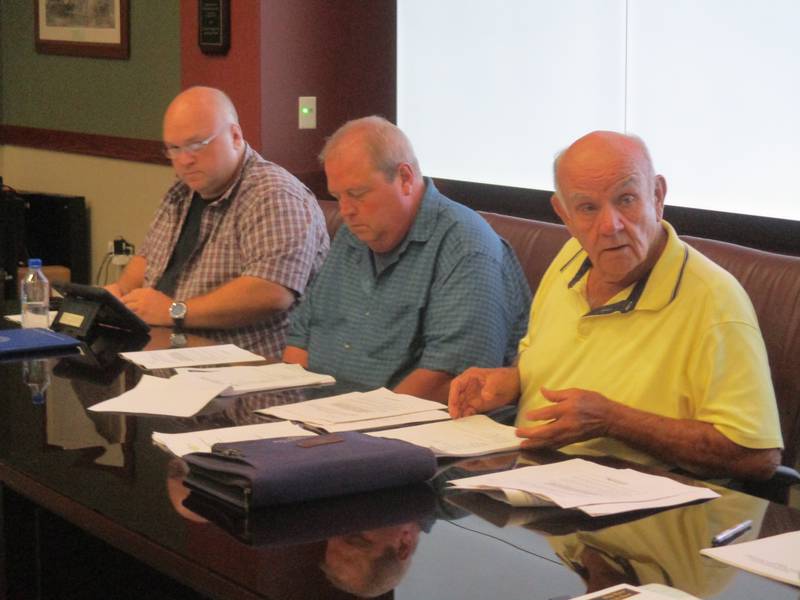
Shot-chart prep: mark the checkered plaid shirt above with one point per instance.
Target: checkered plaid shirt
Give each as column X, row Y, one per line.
column 267, row 225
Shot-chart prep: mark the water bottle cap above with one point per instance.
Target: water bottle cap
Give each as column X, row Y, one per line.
column 35, row 263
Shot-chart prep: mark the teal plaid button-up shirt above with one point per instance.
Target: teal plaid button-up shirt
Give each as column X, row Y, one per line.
column 450, row 296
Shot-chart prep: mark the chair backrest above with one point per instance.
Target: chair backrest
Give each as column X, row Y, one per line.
column 773, row 283
column 333, row 220
column 771, row 280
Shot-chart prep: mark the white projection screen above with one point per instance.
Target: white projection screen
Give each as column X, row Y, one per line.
column 490, row 91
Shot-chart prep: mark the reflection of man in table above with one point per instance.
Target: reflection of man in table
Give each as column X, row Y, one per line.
column 638, row 346
column 370, row 563
column 236, row 239
column 662, row 548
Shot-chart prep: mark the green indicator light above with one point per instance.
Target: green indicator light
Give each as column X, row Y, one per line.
column 305, row 110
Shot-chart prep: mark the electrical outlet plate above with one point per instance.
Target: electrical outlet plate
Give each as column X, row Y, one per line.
column 307, row 112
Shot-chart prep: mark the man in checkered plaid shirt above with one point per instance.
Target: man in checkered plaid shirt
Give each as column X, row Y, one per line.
column 236, row 239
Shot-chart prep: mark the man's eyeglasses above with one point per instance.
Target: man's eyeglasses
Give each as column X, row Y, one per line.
column 193, row 148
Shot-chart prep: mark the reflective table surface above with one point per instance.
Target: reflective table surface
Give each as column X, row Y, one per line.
column 102, row 476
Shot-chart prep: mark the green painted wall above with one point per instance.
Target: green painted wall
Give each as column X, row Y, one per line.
column 110, row 97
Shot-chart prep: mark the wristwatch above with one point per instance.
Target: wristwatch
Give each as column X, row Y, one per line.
column 177, row 311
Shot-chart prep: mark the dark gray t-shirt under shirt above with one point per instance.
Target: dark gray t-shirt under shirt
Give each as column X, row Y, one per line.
column 183, row 247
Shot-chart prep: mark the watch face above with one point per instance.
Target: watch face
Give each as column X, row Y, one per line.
column 177, row 340
column 177, row 310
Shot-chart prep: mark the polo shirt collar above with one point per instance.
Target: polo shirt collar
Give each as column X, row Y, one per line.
column 654, row 291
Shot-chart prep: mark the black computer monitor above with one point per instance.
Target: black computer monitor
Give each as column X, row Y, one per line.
column 12, row 242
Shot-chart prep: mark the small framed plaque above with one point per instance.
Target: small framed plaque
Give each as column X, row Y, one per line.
column 214, row 26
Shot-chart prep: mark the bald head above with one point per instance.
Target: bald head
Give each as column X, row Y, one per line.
column 612, row 202
column 203, row 100
column 204, row 140
column 600, row 151
column 384, row 143
column 373, row 562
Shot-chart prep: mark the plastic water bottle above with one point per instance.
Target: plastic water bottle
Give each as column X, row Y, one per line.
column 36, row 374
column 35, row 296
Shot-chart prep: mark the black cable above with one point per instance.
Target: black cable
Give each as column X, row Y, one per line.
column 499, row 539
column 100, row 268
column 108, row 266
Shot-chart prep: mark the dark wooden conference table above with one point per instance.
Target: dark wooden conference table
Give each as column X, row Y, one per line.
column 92, row 509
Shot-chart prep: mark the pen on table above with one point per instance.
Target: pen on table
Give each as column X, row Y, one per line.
column 731, row 534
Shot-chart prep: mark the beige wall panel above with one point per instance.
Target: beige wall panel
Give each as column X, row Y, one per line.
column 121, row 196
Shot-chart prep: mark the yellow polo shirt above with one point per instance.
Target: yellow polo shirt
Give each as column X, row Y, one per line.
column 682, row 343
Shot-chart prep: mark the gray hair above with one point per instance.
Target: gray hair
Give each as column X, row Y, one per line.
column 386, row 144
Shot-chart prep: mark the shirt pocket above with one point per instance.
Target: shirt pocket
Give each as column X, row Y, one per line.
column 394, row 332
column 219, row 261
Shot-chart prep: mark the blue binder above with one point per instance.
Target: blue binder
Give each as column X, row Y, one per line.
column 286, row 470
column 19, row 342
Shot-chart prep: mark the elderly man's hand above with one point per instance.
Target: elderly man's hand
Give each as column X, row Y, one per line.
column 575, row 415
column 479, row 390
column 151, row 305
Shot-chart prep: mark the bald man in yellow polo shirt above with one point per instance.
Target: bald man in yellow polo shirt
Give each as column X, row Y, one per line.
column 638, row 346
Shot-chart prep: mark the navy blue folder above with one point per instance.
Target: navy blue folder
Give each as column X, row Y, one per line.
column 286, row 470
column 20, row 342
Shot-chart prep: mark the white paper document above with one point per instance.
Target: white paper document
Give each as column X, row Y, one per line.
column 178, row 396
column 776, row 557
column 355, row 411
column 651, row 591
column 595, row 489
column 242, row 380
column 471, row 436
column 190, row 357
column 51, row 316
column 386, row 422
column 201, row 441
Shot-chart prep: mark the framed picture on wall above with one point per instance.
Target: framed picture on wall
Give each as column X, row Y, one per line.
column 94, row 28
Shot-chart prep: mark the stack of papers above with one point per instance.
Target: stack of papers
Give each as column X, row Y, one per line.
column 202, row 441
column 471, row 436
column 179, row 396
column 243, row 380
column 190, row 357
column 777, row 557
column 595, row 489
column 358, row 411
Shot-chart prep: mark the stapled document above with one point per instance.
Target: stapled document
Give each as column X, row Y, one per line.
column 246, row 379
column 471, row 436
column 358, row 411
column 594, row 489
column 172, row 358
